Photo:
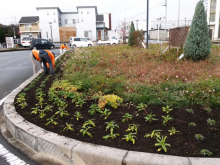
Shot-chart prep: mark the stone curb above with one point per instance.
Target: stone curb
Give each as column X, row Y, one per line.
column 63, row 150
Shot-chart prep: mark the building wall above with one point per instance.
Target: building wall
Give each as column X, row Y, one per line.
column 87, row 22
column 154, row 34
column 106, row 20
column 68, row 17
column 44, row 19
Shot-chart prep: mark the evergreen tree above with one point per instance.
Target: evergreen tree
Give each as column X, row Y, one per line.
column 197, row 45
column 132, row 29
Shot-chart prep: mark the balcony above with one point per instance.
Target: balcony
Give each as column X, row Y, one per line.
column 30, row 29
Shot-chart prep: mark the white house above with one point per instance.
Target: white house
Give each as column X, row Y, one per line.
column 213, row 18
column 86, row 22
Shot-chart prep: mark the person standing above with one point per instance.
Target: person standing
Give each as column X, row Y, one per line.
column 63, row 47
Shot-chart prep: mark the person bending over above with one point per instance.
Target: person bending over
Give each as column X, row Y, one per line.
column 62, row 48
column 47, row 57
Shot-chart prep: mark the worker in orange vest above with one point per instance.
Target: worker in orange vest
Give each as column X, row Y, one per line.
column 63, row 46
column 43, row 56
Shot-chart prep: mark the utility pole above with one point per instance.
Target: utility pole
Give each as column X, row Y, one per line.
column 147, row 24
column 179, row 14
column 165, row 19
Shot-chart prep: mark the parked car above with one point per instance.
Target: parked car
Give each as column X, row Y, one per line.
column 80, row 42
column 112, row 41
column 88, row 39
column 26, row 42
column 41, row 44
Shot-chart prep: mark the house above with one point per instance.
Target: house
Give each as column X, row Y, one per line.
column 213, row 18
column 86, row 22
column 29, row 27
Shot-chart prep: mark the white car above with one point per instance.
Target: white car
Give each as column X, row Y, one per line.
column 26, row 42
column 80, row 42
column 111, row 41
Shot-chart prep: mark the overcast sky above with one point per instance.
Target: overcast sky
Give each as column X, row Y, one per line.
column 13, row 10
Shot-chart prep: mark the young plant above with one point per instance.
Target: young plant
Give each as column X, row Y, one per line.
column 190, row 111
column 48, row 108
column 26, row 89
column 211, row 121
column 68, row 127
column 62, row 112
column 52, row 120
column 132, row 128
column 111, row 125
column 78, row 115
column 42, row 114
column 141, row 107
column 106, row 113
column 167, row 109
column 84, row 131
column 126, row 117
column 208, row 109
column 35, row 110
column 191, row 124
column 93, row 109
column 23, row 105
column 155, row 134
column 199, row 137
column 130, row 137
column 161, row 142
column 166, row 119
column 80, row 102
column 206, row 152
column 173, row 131
column 20, row 98
column 89, row 122
column 150, row 118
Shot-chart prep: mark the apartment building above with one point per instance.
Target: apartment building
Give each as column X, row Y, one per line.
column 29, row 27
column 213, row 13
column 85, row 22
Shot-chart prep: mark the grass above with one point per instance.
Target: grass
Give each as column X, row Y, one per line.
column 145, row 76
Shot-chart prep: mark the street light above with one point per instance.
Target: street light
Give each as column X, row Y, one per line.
column 51, row 30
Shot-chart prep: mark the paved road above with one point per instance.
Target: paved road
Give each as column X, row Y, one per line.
column 15, row 68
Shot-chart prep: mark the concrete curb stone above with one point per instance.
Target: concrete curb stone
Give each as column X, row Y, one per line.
column 63, row 150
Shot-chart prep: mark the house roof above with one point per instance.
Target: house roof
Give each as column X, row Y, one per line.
column 99, row 18
column 88, row 7
column 32, row 19
column 49, row 8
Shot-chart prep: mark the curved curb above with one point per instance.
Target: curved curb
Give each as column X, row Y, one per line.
column 63, row 150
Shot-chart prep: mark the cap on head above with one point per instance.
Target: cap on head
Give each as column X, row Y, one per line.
column 41, row 51
column 65, row 44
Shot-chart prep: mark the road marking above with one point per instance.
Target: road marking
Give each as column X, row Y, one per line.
column 10, row 158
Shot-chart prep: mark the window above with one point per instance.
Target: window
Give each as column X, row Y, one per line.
column 81, row 19
column 76, row 39
column 48, row 13
column 27, row 26
column 212, row 10
column 70, row 21
column 44, row 41
column 54, row 13
column 81, row 12
column 87, row 11
column 82, row 39
column 54, row 20
column 114, row 38
column 88, row 34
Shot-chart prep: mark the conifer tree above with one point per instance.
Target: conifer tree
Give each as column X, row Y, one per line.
column 197, row 45
column 132, row 29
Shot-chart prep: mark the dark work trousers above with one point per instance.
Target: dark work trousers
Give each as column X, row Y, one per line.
column 45, row 58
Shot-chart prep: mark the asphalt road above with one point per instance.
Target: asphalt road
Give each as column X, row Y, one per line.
column 15, row 68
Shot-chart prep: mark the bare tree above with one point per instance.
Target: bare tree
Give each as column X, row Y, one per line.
column 124, row 28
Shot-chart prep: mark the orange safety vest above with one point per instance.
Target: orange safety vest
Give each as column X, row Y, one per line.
column 63, row 47
column 36, row 54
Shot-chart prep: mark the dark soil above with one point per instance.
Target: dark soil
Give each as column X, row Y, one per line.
column 182, row 143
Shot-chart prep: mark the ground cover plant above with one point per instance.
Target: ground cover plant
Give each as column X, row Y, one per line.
column 130, row 98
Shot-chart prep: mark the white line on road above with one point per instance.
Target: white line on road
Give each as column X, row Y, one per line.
column 9, row 157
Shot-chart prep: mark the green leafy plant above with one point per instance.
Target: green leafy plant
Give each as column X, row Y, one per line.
column 78, row 115
column 39, row 90
column 93, row 109
column 23, row 104
column 190, row 111
column 106, row 113
column 35, row 110
column 80, row 102
column 130, row 137
column 132, row 128
column 173, row 131
column 84, row 131
column 211, row 121
column 68, row 127
column 126, row 117
column 155, row 134
column 26, row 89
column 166, row 119
column 208, row 109
column 111, row 125
column 52, row 120
column 48, row 108
column 199, row 137
column 206, row 152
column 167, row 109
column 20, row 98
column 150, row 118
column 89, row 122
column 141, row 107
column 161, row 142
column 42, row 114
column 191, row 124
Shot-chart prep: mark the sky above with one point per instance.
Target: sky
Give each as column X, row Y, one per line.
column 11, row 11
